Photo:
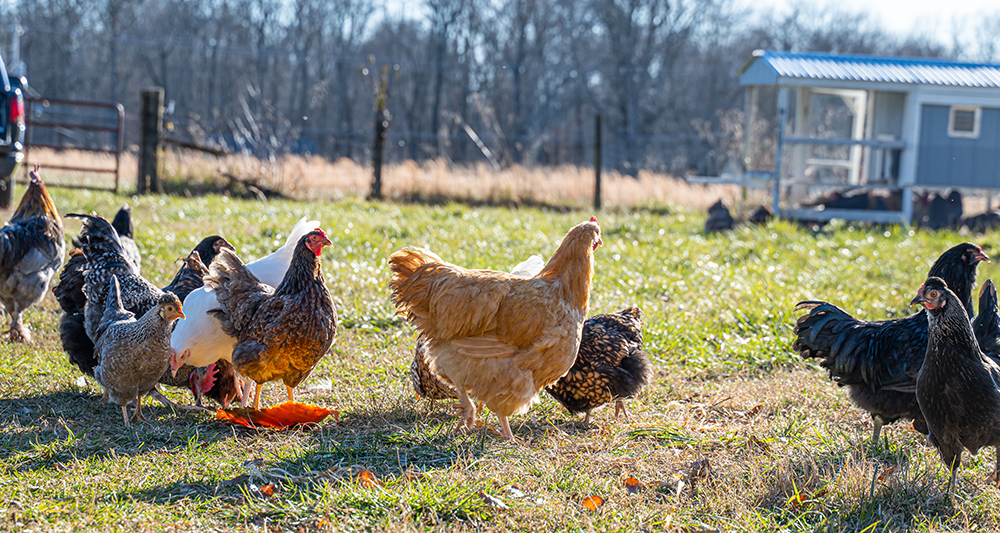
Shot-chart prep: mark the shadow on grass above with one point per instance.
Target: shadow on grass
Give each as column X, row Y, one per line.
column 395, row 443
column 43, row 431
column 811, row 491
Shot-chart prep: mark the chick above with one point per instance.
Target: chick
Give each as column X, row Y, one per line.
column 133, row 354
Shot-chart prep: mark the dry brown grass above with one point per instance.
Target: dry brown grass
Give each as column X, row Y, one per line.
column 432, row 181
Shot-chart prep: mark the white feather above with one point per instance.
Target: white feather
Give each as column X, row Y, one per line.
column 530, row 267
column 201, row 333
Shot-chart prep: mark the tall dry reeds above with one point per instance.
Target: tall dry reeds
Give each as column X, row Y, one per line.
column 432, row 181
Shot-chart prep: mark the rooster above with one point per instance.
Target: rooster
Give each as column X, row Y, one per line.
column 282, row 332
column 498, row 337
column 31, row 251
column 610, row 365
column 958, row 387
column 878, row 361
column 198, row 340
column 195, row 266
column 133, row 352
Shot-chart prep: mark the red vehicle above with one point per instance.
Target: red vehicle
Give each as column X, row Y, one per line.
column 11, row 131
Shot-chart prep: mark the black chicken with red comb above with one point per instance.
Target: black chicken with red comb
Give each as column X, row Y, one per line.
column 878, row 361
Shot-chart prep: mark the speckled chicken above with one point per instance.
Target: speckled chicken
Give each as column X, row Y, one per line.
column 31, row 250
column 878, row 361
column 958, row 387
column 103, row 257
column 497, row 337
column 610, row 365
column 426, row 383
column 282, row 332
column 133, row 353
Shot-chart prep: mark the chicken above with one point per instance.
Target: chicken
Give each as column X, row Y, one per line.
column 126, row 234
column 282, row 332
column 878, row 361
column 958, row 387
column 191, row 274
column 100, row 257
column 498, row 337
column 198, row 340
column 427, row 384
column 31, row 251
column 133, row 353
column 986, row 325
column 610, row 365
column 217, row 381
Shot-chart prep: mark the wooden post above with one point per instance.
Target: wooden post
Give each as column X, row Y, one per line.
column 597, row 162
column 382, row 118
column 149, row 147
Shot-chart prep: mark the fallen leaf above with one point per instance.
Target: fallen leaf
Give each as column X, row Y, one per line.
column 632, row 485
column 492, row 501
column 699, row 469
column 757, row 442
column 887, row 473
column 414, row 476
column 593, row 503
column 367, row 479
column 265, row 492
column 751, row 412
column 283, row 416
column 803, row 499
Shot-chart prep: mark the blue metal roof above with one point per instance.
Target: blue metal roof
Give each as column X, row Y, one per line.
column 766, row 67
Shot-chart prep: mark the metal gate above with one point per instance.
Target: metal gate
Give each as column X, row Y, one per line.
column 96, row 127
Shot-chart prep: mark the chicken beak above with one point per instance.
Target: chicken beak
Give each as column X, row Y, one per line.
column 981, row 256
column 919, row 298
column 176, row 362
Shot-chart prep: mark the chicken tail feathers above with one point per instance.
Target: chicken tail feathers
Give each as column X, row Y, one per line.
column 634, row 374
column 101, row 243
column 76, row 343
column 408, row 290
column 237, row 290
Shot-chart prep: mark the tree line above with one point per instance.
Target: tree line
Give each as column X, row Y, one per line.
column 502, row 81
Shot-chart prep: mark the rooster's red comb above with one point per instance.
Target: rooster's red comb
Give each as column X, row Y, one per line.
column 594, row 220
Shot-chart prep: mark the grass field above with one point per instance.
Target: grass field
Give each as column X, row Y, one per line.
column 735, row 434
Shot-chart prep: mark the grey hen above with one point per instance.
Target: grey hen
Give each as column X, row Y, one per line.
column 133, row 354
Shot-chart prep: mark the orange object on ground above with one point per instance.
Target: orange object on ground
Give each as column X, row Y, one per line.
column 281, row 416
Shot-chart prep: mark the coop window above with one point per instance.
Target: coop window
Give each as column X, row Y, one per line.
column 964, row 122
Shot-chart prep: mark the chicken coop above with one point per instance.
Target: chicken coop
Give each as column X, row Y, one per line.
column 874, row 129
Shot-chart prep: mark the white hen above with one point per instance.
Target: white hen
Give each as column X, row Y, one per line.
column 199, row 340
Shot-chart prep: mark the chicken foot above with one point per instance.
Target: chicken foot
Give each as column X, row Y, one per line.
column 17, row 331
column 620, row 408
column 155, row 393
column 291, row 393
column 464, row 405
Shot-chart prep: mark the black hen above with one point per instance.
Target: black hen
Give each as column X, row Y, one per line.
column 126, row 235
column 957, row 386
column 878, row 361
column 610, row 365
column 986, row 325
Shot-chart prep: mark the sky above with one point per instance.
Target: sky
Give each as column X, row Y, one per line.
column 905, row 16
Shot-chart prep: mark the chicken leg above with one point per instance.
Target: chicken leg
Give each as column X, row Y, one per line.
column 620, row 408
column 256, row 397
column 291, row 393
column 505, row 428
column 17, row 331
column 467, row 409
column 138, row 410
column 125, row 415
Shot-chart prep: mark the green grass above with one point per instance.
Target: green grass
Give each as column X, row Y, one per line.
column 785, row 447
